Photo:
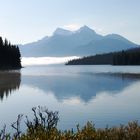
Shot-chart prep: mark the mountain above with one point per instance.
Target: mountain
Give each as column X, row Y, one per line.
column 60, row 31
column 84, row 41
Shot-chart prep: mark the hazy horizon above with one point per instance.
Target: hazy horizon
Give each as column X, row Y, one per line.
column 27, row 21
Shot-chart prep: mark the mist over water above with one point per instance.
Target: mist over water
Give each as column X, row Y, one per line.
column 26, row 61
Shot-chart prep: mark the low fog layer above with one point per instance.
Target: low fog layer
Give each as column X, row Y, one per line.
column 26, row 61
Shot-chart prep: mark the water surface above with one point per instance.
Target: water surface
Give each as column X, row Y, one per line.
column 102, row 94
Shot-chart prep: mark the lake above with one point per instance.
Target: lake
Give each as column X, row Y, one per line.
column 101, row 94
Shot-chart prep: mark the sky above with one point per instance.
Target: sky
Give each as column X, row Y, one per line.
column 24, row 21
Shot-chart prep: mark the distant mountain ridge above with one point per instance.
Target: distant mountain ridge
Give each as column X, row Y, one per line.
column 84, row 41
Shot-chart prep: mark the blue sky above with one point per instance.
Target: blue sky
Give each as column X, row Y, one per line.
column 23, row 21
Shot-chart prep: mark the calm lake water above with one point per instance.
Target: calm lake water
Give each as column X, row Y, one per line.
column 101, row 94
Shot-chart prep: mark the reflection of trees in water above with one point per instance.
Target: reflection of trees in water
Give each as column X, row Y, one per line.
column 9, row 81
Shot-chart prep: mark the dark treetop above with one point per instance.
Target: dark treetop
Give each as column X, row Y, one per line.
column 9, row 55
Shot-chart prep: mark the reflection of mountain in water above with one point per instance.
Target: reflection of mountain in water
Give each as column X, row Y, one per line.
column 9, row 81
column 84, row 85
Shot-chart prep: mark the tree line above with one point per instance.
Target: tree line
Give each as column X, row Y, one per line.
column 10, row 57
column 124, row 57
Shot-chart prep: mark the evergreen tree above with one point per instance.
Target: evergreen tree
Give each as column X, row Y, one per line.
column 9, row 55
column 124, row 57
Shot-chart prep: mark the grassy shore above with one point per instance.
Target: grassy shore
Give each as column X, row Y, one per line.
column 44, row 127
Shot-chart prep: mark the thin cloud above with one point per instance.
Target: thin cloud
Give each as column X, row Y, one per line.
column 72, row 27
